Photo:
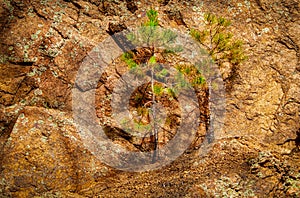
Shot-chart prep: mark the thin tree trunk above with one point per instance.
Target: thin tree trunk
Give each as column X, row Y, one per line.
column 155, row 133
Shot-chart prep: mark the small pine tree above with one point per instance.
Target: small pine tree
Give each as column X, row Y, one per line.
column 153, row 36
column 219, row 42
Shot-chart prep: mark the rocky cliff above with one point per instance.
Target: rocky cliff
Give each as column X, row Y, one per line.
column 43, row 43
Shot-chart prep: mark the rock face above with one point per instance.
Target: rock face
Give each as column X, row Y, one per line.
column 42, row 46
column 44, row 153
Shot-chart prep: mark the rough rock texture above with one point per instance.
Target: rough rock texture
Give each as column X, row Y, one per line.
column 44, row 153
column 42, row 44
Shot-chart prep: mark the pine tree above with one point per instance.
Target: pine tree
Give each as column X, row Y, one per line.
column 187, row 75
column 219, row 42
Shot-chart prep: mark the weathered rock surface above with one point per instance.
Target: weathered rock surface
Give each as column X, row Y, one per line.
column 44, row 153
column 42, row 46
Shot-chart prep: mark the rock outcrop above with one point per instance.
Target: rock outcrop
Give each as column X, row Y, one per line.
column 42, row 46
